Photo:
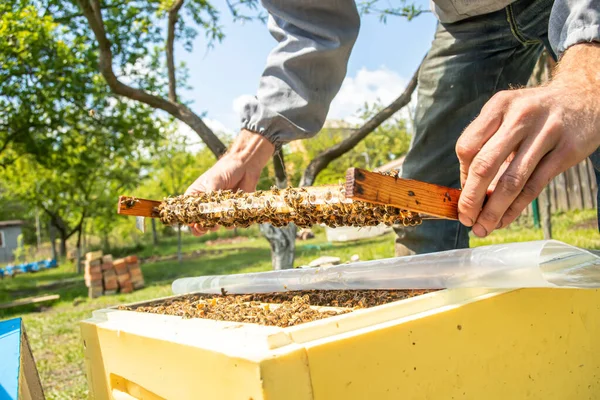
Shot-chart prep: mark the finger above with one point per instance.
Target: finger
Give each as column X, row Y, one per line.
column 511, row 183
column 548, row 168
column 479, row 132
column 482, row 171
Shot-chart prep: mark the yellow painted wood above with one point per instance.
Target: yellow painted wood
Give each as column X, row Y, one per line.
column 204, row 359
column 468, row 344
column 534, row 343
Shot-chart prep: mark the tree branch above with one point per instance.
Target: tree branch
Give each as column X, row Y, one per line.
column 78, row 226
column 55, row 219
column 66, row 18
column 92, row 12
column 279, row 166
column 173, row 17
column 8, row 140
column 322, row 160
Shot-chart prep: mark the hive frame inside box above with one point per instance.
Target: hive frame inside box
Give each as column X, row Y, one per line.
column 151, row 356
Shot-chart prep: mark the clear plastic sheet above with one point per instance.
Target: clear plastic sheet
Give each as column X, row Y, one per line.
column 545, row 263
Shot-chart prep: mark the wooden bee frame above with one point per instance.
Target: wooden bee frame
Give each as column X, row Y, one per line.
column 366, row 199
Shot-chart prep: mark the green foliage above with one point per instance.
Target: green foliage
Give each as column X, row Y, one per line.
column 43, row 80
column 82, row 174
column 20, row 252
column 391, row 9
column 172, row 167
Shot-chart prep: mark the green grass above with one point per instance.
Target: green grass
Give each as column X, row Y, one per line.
column 575, row 227
column 53, row 329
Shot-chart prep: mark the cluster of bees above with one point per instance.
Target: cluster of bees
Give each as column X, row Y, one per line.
column 291, row 312
column 275, row 309
column 304, row 207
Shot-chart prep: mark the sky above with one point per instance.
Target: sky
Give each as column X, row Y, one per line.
column 382, row 61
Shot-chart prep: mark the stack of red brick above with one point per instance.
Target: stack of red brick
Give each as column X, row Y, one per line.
column 103, row 275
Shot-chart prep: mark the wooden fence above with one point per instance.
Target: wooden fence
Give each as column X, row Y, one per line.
column 574, row 189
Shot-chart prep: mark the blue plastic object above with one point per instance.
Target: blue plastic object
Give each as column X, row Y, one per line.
column 23, row 268
column 35, row 266
column 10, row 270
column 19, row 377
column 10, row 351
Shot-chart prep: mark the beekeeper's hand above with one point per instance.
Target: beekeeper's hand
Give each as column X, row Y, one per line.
column 523, row 138
column 239, row 168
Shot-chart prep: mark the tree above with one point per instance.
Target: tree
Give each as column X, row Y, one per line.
column 132, row 38
column 84, row 171
column 43, row 80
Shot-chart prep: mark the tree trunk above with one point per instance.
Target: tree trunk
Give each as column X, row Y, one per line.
column 78, row 250
column 52, row 236
column 84, row 240
column 154, row 232
column 38, row 228
column 105, row 242
column 179, row 255
column 283, row 245
column 282, row 240
column 63, row 244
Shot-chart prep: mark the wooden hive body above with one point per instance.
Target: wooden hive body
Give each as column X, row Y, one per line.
column 462, row 343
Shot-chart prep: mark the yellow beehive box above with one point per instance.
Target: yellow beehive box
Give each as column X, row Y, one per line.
column 461, row 344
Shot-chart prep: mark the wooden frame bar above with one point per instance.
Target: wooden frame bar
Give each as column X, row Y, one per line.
column 407, row 194
column 137, row 207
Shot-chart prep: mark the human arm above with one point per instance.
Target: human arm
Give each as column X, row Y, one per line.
column 303, row 74
column 525, row 137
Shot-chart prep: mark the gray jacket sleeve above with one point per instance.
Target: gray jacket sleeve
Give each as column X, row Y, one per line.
column 573, row 22
column 305, row 70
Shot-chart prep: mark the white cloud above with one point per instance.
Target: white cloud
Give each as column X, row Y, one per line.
column 217, row 126
column 367, row 86
column 193, row 140
column 192, row 137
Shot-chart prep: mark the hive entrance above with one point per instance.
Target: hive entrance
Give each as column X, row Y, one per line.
column 274, row 309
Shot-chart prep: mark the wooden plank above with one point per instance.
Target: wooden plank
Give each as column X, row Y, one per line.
column 137, row 207
column 593, row 183
column 30, row 386
column 575, row 193
column 584, row 174
column 592, row 173
column 553, row 196
column 563, row 194
column 592, row 177
column 29, row 300
column 407, row 194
